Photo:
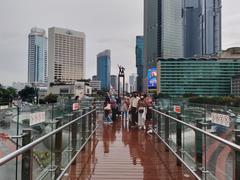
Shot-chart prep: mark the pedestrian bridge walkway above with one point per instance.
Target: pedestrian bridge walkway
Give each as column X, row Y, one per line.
column 78, row 145
column 117, row 152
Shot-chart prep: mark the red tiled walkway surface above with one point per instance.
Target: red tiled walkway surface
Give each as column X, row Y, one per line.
column 117, row 152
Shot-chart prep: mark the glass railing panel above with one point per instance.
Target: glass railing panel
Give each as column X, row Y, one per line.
column 53, row 154
column 189, row 148
column 10, row 171
column 219, row 160
column 172, row 134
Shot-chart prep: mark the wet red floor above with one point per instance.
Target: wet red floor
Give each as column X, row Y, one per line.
column 117, row 152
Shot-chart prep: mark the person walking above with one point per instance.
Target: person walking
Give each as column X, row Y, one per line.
column 107, row 112
column 133, row 108
column 114, row 107
column 124, row 108
column 149, row 122
column 142, row 110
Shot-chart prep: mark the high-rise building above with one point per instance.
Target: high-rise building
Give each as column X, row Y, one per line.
column 211, row 30
column 163, row 31
column 94, row 78
column 37, row 56
column 104, row 69
column 202, row 27
column 114, row 82
column 132, row 82
column 66, row 52
column 139, row 62
column 202, row 77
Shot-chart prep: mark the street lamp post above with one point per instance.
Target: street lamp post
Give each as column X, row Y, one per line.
column 17, row 136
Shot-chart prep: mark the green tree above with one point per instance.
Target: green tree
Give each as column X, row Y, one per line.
column 7, row 95
column 51, row 98
column 27, row 94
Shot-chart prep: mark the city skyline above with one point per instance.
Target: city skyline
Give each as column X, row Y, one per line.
column 116, row 32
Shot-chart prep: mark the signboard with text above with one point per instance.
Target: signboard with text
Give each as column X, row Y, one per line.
column 220, row 119
column 177, row 109
column 36, row 118
column 75, row 106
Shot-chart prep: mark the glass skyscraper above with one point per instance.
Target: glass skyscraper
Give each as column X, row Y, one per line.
column 205, row 77
column 202, row 27
column 163, row 31
column 104, row 69
column 139, row 61
column 37, row 56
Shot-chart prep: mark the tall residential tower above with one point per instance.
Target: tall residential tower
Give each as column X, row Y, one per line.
column 139, row 62
column 104, row 69
column 66, row 52
column 37, row 56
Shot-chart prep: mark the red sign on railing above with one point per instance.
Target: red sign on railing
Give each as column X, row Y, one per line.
column 177, row 109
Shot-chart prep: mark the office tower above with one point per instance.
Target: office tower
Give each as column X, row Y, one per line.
column 150, row 33
column 202, row 27
column 163, row 31
column 211, row 26
column 94, row 78
column 104, row 69
column 66, row 52
column 37, row 56
column 114, row 82
column 132, row 82
column 192, row 23
column 198, row 76
column 139, row 62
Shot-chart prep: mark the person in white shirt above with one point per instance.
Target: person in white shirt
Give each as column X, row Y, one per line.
column 133, row 109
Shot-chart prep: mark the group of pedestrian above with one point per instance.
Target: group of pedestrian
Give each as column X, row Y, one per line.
column 140, row 110
column 111, row 106
column 135, row 109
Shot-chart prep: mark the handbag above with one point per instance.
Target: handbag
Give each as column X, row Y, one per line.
column 108, row 107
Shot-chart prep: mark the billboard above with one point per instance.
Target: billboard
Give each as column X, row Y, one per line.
column 36, row 118
column 152, row 78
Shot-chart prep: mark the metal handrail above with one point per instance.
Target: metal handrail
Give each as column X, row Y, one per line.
column 23, row 149
column 228, row 143
column 75, row 156
column 177, row 156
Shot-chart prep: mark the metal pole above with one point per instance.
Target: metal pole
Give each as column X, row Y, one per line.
column 167, row 125
column 179, row 138
column 237, row 156
column 27, row 157
column 58, row 147
column 18, row 113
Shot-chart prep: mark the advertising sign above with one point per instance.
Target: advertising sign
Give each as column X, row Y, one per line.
column 75, row 106
column 177, row 109
column 220, row 119
column 152, row 78
column 36, row 118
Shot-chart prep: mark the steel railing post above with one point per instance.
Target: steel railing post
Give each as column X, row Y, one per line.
column 84, row 119
column 159, row 122
column 167, row 125
column 179, row 138
column 237, row 157
column 27, row 157
column 199, row 144
column 74, row 135
column 90, row 116
column 58, row 147
column 94, row 117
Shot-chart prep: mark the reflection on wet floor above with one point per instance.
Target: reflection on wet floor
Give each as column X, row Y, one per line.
column 119, row 152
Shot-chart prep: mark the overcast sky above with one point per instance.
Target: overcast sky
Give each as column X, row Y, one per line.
column 108, row 24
